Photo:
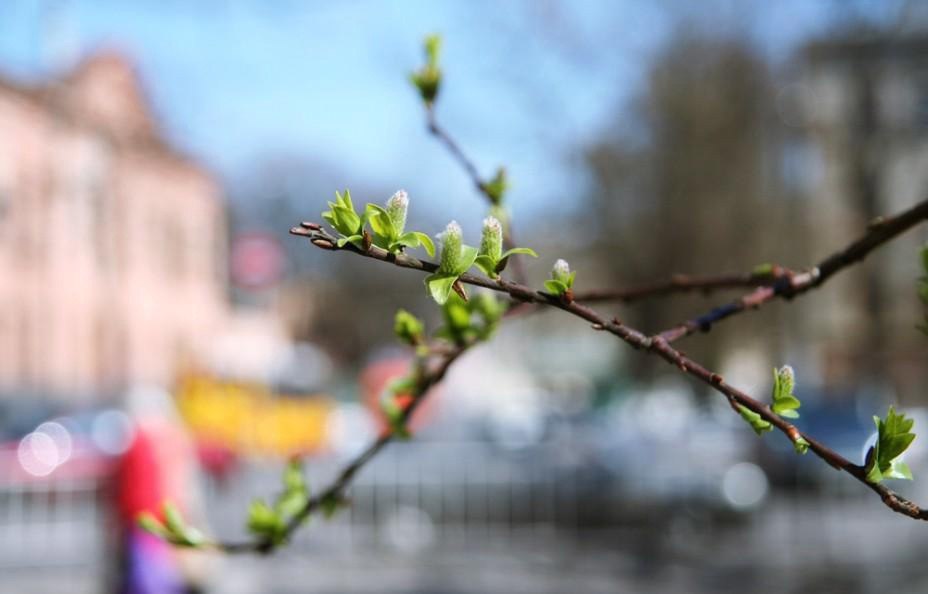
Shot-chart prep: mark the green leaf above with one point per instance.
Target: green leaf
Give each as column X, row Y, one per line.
column 468, row 257
column 426, row 242
column 178, row 531
column 345, row 199
column 172, row 518
column 414, row 239
column 801, row 445
column 894, row 436
column 428, row 78
column 432, row 46
column 381, row 224
column 395, row 417
column 265, row 522
column 290, row 503
column 354, row 239
column 555, row 287
column 757, row 423
column 785, row 402
column 293, row 477
column 519, row 250
column 765, row 269
column 342, row 216
column 504, row 258
column 348, row 220
column 148, row 522
column 440, row 286
column 408, row 328
column 457, row 314
column 405, row 385
column 497, row 186
column 486, row 264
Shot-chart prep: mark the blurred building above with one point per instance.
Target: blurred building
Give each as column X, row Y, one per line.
column 865, row 100
column 112, row 244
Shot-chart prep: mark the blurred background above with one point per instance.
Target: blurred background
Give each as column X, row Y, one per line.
column 161, row 335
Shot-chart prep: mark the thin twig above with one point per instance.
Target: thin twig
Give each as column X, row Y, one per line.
column 682, row 283
column 790, row 285
column 336, row 489
column 509, row 242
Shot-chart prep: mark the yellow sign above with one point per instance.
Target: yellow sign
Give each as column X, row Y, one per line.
column 247, row 418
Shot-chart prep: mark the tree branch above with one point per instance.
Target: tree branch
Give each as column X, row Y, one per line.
column 879, row 232
column 681, row 283
column 791, row 284
column 336, row 489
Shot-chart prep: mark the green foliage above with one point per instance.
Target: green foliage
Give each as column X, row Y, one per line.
column 344, row 219
column 765, row 269
column 562, row 279
column 490, row 257
column 174, row 529
column 472, row 320
column 785, row 402
column 428, row 78
column 757, row 423
column 388, row 225
column 801, row 445
column 894, row 436
column 496, row 187
column 270, row 522
column 456, row 259
column 393, row 412
column 408, row 328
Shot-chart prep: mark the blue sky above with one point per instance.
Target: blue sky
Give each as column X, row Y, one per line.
column 527, row 82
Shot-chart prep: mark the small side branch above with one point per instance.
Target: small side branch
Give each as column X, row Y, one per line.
column 682, row 283
column 790, row 285
column 482, row 186
column 336, row 490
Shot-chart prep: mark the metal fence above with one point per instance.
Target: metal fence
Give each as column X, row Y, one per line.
column 418, row 495
column 450, row 507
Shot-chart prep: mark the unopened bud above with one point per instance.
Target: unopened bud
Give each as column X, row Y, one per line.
column 397, row 205
column 450, row 247
column 787, row 379
column 561, row 271
column 491, row 244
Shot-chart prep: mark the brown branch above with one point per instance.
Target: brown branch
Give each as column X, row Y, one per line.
column 790, row 285
column 336, row 489
column 681, row 283
column 467, row 164
column 459, row 155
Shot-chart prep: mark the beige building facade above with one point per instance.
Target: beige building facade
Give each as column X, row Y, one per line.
column 112, row 245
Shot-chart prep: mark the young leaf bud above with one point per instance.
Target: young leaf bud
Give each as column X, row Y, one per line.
column 786, row 379
column 397, row 205
column 561, row 271
column 491, row 244
column 450, row 248
column 408, row 328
